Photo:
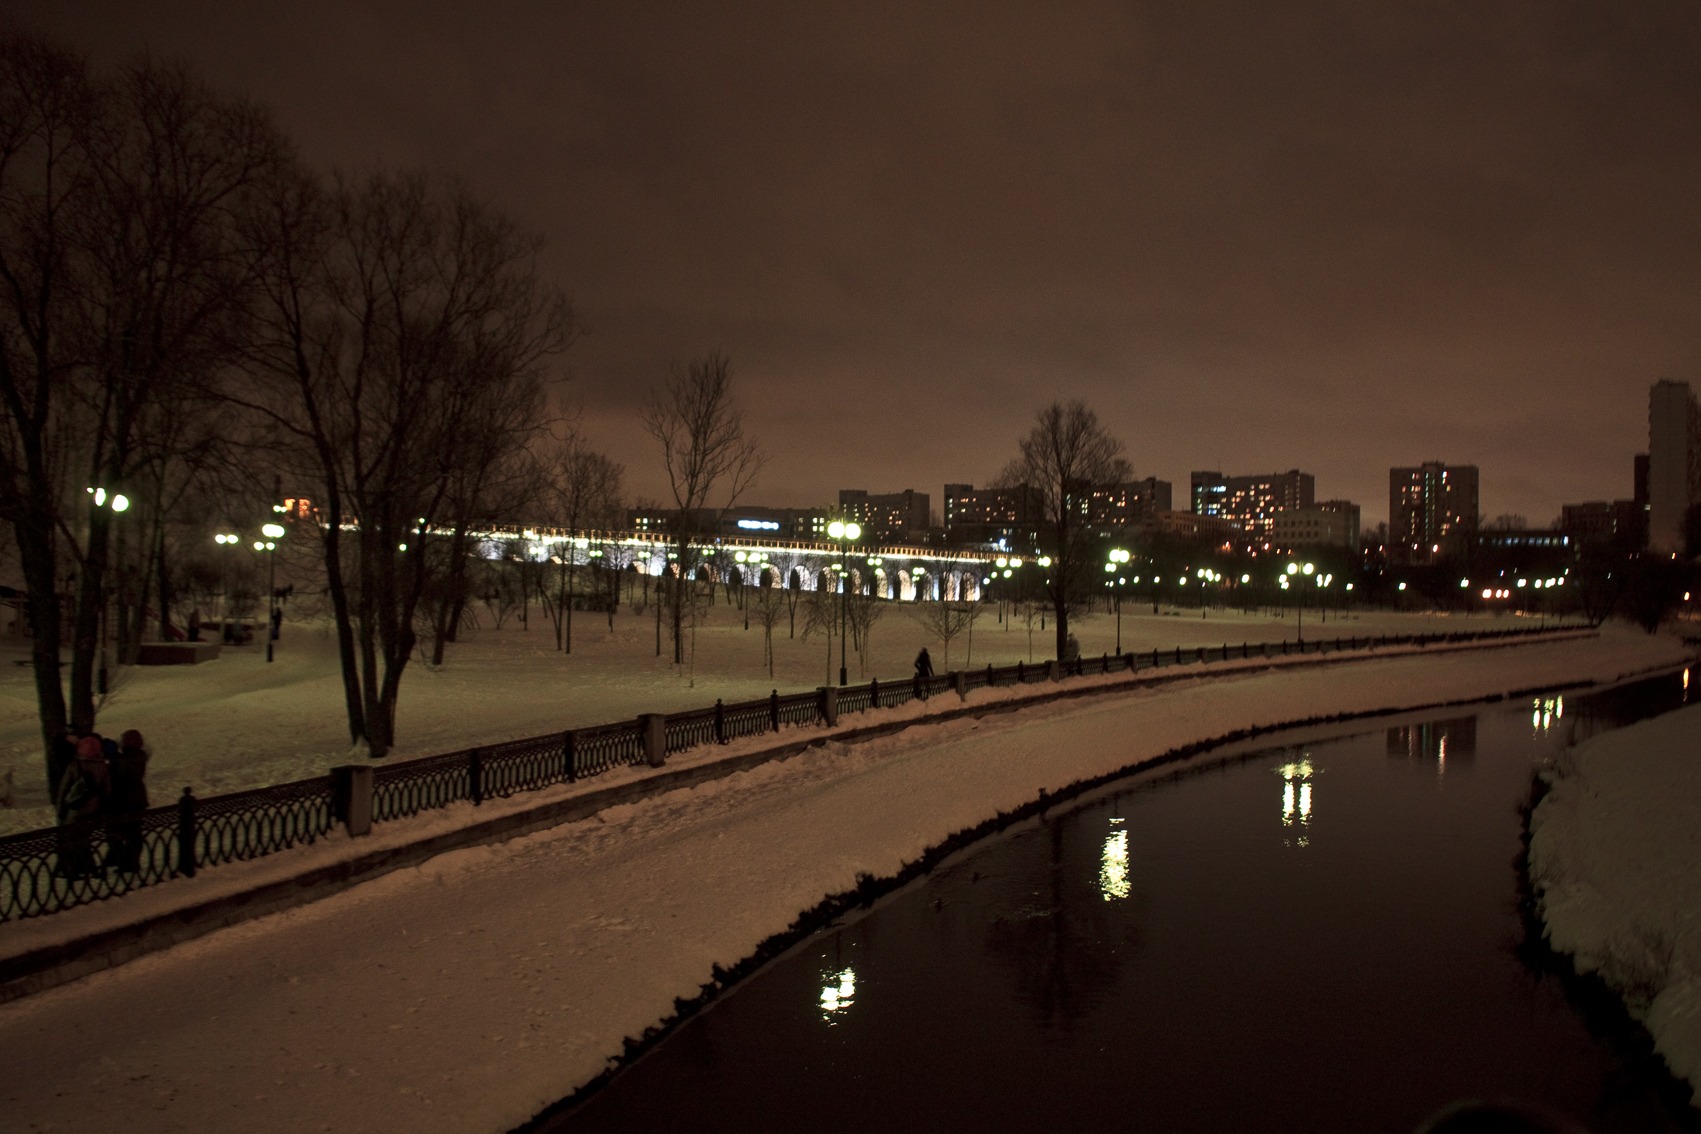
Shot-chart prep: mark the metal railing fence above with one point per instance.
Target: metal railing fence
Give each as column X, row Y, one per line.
column 57, row 868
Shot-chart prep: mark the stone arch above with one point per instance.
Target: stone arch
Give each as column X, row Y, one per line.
column 968, row 586
column 824, row 581
column 770, row 578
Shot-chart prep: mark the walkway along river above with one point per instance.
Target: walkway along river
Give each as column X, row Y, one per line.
column 1318, row 936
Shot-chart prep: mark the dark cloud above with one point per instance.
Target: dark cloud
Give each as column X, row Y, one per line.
column 1324, row 234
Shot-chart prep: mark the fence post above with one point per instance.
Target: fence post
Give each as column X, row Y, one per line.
column 828, row 706
column 570, row 756
column 1021, row 672
column 475, row 776
column 1201, row 655
column 1155, row 662
column 351, row 797
column 1132, row 665
column 960, row 682
column 1178, row 655
column 874, row 692
column 774, row 709
column 186, row 834
column 720, row 722
column 654, row 728
column 989, row 681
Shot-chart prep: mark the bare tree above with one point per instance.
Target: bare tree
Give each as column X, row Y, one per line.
column 120, row 272
column 1065, row 457
column 945, row 621
column 766, row 605
column 584, row 494
column 707, row 457
column 401, row 348
column 862, row 613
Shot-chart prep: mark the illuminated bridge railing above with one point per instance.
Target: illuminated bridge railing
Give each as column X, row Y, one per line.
column 57, row 868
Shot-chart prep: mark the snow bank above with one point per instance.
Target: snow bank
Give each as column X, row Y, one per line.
column 1615, row 859
column 467, row 993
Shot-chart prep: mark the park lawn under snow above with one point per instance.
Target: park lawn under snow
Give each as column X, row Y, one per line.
column 467, row 993
column 239, row 722
column 1615, row 859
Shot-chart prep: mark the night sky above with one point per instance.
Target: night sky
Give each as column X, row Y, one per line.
column 1338, row 236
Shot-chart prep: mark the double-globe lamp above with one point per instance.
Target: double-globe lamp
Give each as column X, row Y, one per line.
column 843, row 532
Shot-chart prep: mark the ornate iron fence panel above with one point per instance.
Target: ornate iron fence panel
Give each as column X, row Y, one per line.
column 689, row 729
column 251, row 824
column 405, row 789
column 800, row 709
column 857, row 698
column 747, row 718
column 55, row 867
column 522, row 765
column 601, row 747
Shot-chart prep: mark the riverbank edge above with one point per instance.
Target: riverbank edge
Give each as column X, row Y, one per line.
column 1600, row 1006
column 29, row 970
column 557, row 1117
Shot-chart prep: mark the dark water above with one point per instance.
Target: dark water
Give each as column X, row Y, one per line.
column 1314, row 937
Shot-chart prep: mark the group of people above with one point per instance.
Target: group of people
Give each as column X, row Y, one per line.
column 102, row 783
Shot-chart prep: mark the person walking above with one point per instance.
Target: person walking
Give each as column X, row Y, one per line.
column 81, row 796
column 923, row 664
column 126, row 800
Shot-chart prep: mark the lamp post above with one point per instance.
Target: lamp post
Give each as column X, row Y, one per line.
column 1118, row 558
column 119, row 503
column 844, row 532
column 1306, row 570
column 273, row 533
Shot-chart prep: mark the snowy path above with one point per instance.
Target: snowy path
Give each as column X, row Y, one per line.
column 467, row 994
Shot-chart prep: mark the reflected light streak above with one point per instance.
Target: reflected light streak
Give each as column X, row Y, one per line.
column 837, row 998
column 1296, row 799
column 1113, row 867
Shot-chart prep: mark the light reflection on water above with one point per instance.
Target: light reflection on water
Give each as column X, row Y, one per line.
column 1157, row 959
column 839, row 995
column 1296, row 800
column 1113, row 866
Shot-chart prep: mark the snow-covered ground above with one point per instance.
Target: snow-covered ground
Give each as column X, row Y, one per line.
column 468, row 993
column 1615, row 859
column 239, row 722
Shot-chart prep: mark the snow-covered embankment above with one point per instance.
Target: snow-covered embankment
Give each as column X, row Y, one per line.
column 1615, row 860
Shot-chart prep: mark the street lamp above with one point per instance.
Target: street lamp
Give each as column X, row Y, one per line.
column 117, row 502
column 273, row 533
column 844, row 532
column 1118, row 557
column 1295, row 569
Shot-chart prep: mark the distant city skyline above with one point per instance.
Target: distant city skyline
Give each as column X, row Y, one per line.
column 1341, row 239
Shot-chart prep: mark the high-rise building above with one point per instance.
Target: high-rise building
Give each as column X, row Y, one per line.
column 1432, row 511
column 1006, row 516
column 893, row 517
column 1252, row 501
column 1124, row 505
column 1333, row 523
column 1674, row 462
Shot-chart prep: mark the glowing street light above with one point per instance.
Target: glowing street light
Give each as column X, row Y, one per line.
column 273, row 533
column 844, row 532
column 1294, row 570
column 1118, row 559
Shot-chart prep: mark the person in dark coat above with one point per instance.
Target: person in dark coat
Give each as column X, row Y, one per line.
column 923, row 664
column 80, row 798
column 126, row 800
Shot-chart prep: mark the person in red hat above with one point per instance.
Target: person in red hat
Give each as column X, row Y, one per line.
column 80, row 799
